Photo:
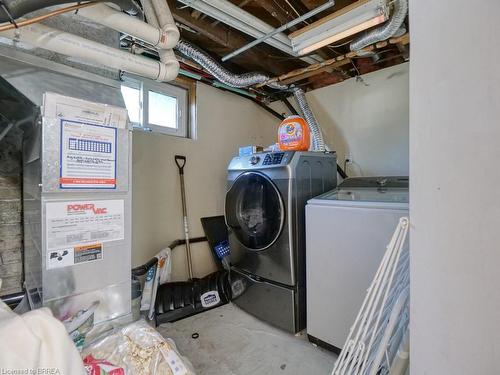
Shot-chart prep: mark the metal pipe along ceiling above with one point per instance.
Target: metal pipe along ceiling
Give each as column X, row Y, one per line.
column 232, row 15
column 280, row 29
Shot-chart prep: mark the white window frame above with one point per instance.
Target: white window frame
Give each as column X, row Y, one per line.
column 181, row 94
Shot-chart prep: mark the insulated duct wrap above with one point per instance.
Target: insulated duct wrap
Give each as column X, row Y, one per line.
column 219, row 72
column 385, row 31
column 18, row 8
column 318, row 144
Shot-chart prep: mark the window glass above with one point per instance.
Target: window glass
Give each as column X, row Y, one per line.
column 159, row 107
column 132, row 98
column 162, row 110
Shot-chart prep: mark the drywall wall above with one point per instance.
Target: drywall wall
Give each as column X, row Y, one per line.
column 366, row 121
column 224, row 122
column 454, row 177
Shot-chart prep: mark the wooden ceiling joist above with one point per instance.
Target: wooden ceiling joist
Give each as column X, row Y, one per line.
column 340, row 63
column 277, row 12
column 228, row 39
column 318, row 68
column 307, row 74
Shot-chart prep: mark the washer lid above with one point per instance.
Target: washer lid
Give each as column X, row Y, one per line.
column 254, row 210
column 376, row 182
column 366, row 194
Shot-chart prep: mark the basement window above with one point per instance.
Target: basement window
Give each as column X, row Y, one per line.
column 158, row 107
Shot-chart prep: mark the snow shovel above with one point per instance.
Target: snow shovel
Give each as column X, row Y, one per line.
column 181, row 162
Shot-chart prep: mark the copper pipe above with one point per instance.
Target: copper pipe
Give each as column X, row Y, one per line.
column 37, row 19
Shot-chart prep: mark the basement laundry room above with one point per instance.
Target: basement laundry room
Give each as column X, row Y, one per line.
column 247, row 187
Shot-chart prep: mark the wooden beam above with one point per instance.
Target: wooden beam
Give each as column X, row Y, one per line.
column 328, row 69
column 403, row 39
column 316, row 68
column 320, row 67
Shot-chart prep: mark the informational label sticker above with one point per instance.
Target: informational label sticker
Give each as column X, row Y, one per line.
column 60, row 258
column 88, row 253
column 210, row 299
column 74, row 255
column 88, row 156
column 77, row 223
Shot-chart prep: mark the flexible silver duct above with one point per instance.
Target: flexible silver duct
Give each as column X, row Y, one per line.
column 250, row 79
column 221, row 73
column 318, row 144
column 385, row 31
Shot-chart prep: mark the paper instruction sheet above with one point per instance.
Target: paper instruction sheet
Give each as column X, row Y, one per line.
column 88, row 156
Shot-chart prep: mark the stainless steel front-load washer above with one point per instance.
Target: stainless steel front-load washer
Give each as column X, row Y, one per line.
column 265, row 215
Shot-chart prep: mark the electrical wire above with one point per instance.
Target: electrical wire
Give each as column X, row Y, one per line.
column 294, row 10
column 37, row 19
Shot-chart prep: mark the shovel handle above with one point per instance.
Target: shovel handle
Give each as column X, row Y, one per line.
column 181, row 162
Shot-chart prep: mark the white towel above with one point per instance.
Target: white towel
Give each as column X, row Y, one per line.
column 36, row 343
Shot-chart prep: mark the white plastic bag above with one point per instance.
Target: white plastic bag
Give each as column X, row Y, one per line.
column 140, row 350
column 155, row 277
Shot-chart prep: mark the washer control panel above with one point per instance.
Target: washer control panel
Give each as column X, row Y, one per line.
column 274, row 158
column 262, row 160
column 254, row 160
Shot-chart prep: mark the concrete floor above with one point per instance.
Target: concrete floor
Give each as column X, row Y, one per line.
column 232, row 342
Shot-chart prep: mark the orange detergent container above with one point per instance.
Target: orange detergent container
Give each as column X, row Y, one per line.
column 293, row 134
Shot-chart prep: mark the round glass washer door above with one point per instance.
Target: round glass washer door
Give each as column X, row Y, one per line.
column 254, row 210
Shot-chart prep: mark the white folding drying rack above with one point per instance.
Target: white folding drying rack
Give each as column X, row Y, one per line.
column 378, row 341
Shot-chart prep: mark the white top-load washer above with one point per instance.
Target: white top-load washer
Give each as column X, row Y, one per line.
column 347, row 231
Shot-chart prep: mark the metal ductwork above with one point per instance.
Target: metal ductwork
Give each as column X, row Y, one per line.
column 385, row 31
column 221, row 73
column 318, row 143
column 13, row 9
column 251, row 79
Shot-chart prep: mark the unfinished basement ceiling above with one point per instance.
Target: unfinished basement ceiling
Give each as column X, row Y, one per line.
column 219, row 39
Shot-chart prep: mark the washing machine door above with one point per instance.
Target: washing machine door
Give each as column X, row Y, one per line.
column 254, row 211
